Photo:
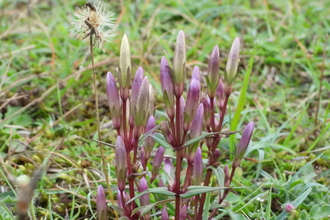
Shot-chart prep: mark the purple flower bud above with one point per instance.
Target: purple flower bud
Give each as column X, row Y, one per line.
column 145, row 199
column 164, row 214
column 149, row 142
column 142, row 104
column 213, row 76
column 232, row 62
column 243, row 144
column 179, row 62
column 196, row 74
column 198, row 167
column 216, row 155
column 167, row 85
column 192, row 103
column 113, row 100
column 121, row 163
column 207, row 110
column 166, row 132
column 161, row 183
column 182, row 107
column 120, row 200
column 143, row 158
column 169, row 170
column 289, row 208
column 135, row 89
column 101, row 204
column 221, row 94
column 195, row 130
column 197, row 122
column 151, row 105
column 157, row 162
column 183, row 213
column 125, row 64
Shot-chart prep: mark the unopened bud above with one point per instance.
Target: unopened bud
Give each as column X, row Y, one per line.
column 121, row 163
column 179, row 62
column 157, row 162
column 197, row 167
column 113, row 100
column 243, row 144
column 289, row 207
column 145, row 199
column 101, row 204
column 232, row 63
column 125, row 64
column 183, row 213
column 213, row 76
column 141, row 115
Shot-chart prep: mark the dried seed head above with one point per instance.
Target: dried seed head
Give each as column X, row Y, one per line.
column 92, row 19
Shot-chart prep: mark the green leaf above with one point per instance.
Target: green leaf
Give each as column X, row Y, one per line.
column 160, row 139
column 320, row 212
column 207, row 206
column 196, row 190
column 192, row 141
column 145, row 209
column 147, row 134
column 158, row 190
column 236, row 216
column 6, row 214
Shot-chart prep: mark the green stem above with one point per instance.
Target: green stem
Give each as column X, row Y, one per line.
column 98, row 121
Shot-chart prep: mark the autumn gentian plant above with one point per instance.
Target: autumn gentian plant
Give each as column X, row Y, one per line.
column 175, row 160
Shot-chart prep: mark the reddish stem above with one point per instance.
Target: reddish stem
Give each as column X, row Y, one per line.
column 224, row 194
column 212, row 114
column 179, row 151
column 212, row 148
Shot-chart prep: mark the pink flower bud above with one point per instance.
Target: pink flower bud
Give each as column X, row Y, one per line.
column 135, row 89
column 141, row 115
column 169, row 170
column 216, row 155
column 192, row 102
column 125, row 64
column 166, row 132
column 151, row 104
column 167, row 86
column 207, row 110
column 179, row 62
column 145, row 199
column 121, row 163
column 220, row 94
column 157, row 162
column 183, row 213
column 164, row 214
column 143, row 158
column 113, row 100
column 161, row 183
column 197, row 167
column 196, row 74
column 101, row 204
column 232, row 63
column 289, row 208
column 243, row 144
column 213, row 75
column 197, row 122
column 149, row 142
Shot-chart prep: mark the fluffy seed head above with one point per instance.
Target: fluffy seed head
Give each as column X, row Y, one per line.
column 92, row 19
